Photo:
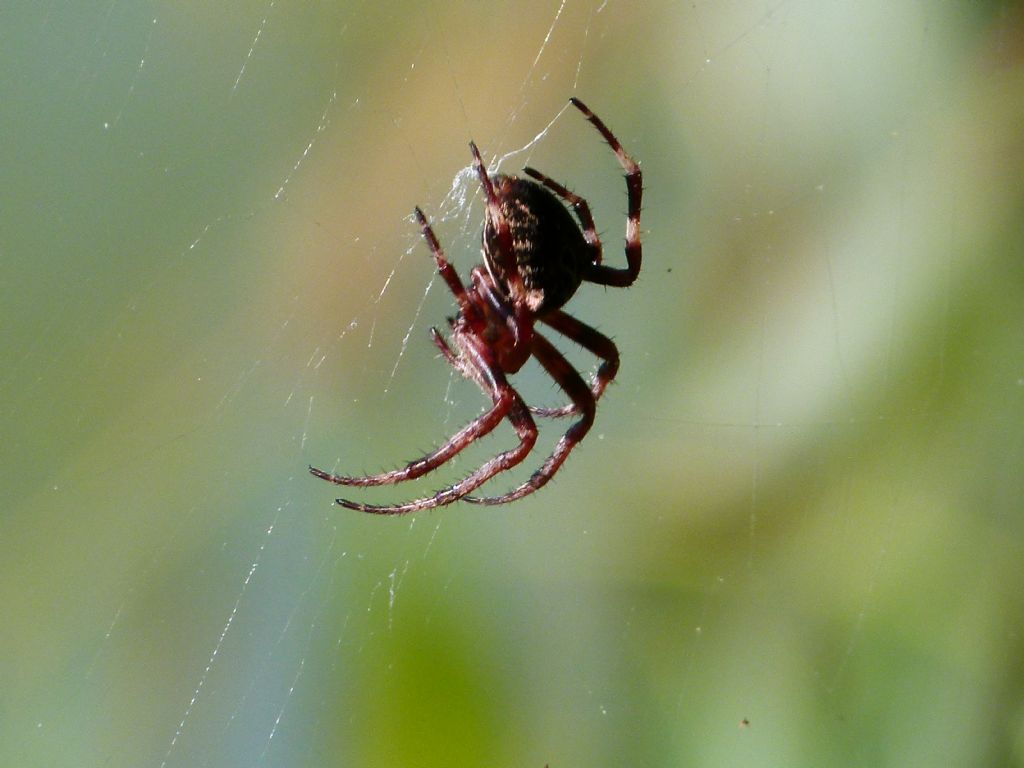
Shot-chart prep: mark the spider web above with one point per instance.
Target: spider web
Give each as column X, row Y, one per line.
column 792, row 536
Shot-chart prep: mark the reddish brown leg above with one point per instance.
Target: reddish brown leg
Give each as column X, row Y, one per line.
column 475, row 429
column 598, row 273
column 444, row 268
column 594, row 342
column 508, row 401
column 579, row 206
column 442, row 345
column 583, row 401
column 495, row 219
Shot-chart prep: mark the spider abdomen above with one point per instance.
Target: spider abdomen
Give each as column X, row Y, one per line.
column 550, row 251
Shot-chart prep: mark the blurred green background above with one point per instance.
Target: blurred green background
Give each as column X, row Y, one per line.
column 794, row 536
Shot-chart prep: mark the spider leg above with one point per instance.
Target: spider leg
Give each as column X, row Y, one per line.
column 508, row 404
column 598, row 273
column 445, row 269
column 579, row 206
column 583, row 401
column 506, row 255
column 442, row 345
column 594, row 342
column 520, row 418
column 497, row 220
column 476, row 428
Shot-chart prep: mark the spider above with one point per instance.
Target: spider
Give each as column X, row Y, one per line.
column 534, row 258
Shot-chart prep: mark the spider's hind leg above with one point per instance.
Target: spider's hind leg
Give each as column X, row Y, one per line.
column 598, row 273
column 594, row 342
column 583, row 402
column 580, row 207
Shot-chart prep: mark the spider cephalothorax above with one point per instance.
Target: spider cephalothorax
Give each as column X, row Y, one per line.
column 535, row 257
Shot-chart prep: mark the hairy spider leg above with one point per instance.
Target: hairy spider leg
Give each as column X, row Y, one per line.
column 599, row 273
column 508, row 404
column 576, row 388
column 479, row 427
column 594, row 342
column 445, row 269
column 579, row 206
column 518, row 316
column 495, row 217
column 442, row 345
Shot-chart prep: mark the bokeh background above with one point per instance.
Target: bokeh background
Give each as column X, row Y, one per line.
column 794, row 536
